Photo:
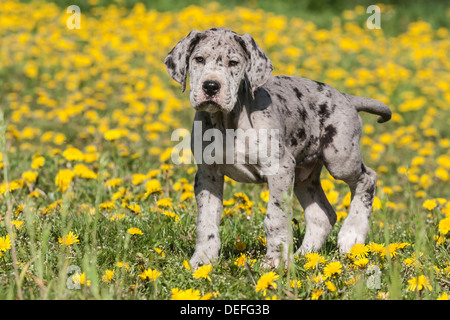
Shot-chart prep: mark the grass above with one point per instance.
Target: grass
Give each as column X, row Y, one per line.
column 85, row 125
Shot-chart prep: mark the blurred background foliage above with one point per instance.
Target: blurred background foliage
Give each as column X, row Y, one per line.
column 320, row 12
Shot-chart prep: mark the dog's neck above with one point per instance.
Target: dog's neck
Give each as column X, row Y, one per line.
column 223, row 121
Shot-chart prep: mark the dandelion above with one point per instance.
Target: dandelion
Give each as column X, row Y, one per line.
column 5, row 243
column 429, row 204
column 37, row 162
column 313, row 260
column 73, row 154
column 266, row 281
column 203, row 272
column 160, row 252
column 295, row 284
column 332, row 268
column 18, row 224
column 150, row 274
column 186, row 265
column 134, row 207
column 188, row 294
column 443, row 296
column 63, row 179
column 80, row 279
column 361, row 262
column 164, row 203
column 135, row 231
column 316, row 294
column 330, row 286
column 30, row 176
column 359, row 250
column 419, row 283
column 108, row 276
column 240, row 261
column 68, row 239
column 444, row 226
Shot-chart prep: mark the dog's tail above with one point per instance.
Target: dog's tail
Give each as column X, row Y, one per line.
column 371, row 106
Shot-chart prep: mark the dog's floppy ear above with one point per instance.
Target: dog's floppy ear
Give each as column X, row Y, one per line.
column 259, row 68
column 177, row 61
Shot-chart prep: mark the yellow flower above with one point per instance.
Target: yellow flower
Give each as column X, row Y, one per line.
column 84, row 172
column 330, row 286
column 188, row 294
column 108, row 276
column 69, row 239
column 266, row 281
column 444, row 226
column 150, row 274
column 443, row 296
column 80, row 279
column 73, row 154
column 295, row 284
column 361, row 262
column 359, row 250
column 340, row 215
column 5, row 243
column 152, row 186
column 265, row 196
column 430, row 204
column 134, row 207
column 113, row 182
column 160, row 252
column 186, row 265
column 18, row 224
column 313, row 260
column 30, row 176
column 316, row 293
column 63, row 179
column 203, row 272
column 135, row 231
column 419, row 283
column 240, row 261
column 332, row 268
column 164, row 203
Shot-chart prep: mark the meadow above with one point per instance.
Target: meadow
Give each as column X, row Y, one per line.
column 92, row 207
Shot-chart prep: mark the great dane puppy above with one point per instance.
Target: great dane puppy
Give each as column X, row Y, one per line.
column 231, row 87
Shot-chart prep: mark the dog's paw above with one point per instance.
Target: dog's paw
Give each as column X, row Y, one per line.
column 347, row 240
column 274, row 262
column 199, row 259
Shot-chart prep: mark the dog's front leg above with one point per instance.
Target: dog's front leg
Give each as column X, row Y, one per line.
column 208, row 190
column 277, row 223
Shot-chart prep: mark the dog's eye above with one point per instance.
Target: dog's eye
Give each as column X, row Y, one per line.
column 199, row 59
column 233, row 63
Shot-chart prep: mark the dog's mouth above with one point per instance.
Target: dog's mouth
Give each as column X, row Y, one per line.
column 209, row 106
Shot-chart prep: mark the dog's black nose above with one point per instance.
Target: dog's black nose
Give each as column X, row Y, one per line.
column 211, row 87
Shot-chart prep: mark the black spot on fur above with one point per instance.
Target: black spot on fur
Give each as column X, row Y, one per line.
column 211, row 236
column 294, row 142
column 320, row 86
column 170, row 63
column 328, row 135
column 298, row 94
column 303, row 114
column 301, row 134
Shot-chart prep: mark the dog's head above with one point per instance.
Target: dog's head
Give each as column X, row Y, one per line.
column 217, row 60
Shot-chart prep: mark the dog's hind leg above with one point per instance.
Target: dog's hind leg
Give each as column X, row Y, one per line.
column 344, row 162
column 319, row 214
